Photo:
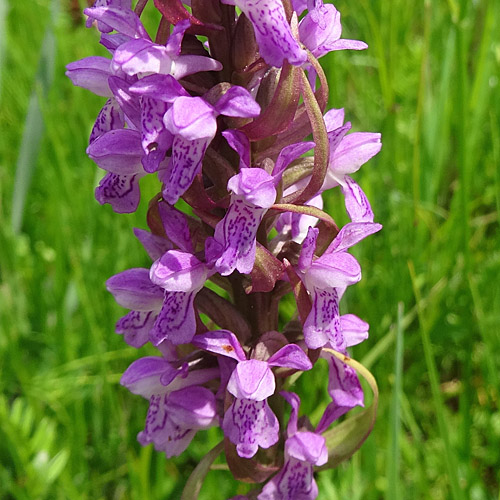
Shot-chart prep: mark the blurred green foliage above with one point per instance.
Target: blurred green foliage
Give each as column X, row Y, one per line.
column 429, row 83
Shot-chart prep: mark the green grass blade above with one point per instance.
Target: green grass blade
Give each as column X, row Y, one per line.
column 439, row 409
column 33, row 129
column 3, row 17
column 394, row 488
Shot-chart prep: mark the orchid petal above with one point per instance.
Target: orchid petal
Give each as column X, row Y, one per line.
column 176, row 320
column 323, row 322
column 237, row 101
column 187, row 65
column 308, row 249
column 240, row 143
column 109, row 118
column 291, row 356
column 118, row 151
column 134, row 290
column 307, row 447
column 221, row 342
column 154, row 245
column 135, row 327
column 143, row 375
column 185, row 163
column 178, row 271
column 252, row 379
column 272, row 31
column 249, row 424
column 125, row 21
column 120, row 191
column 356, row 203
column 351, row 234
column 91, row 73
column 354, row 329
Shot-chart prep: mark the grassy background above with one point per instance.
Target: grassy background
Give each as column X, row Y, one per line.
column 431, row 292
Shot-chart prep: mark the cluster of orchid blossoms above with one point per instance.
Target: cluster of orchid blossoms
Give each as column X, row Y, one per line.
column 219, row 107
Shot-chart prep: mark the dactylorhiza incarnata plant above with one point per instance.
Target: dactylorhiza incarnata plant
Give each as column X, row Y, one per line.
column 219, row 107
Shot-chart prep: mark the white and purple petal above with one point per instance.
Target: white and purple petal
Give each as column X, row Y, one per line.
column 154, row 245
column 192, row 118
column 140, row 56
column 320, row 31
column 236, row 234
column 334, row 269
column 290, row 356
column 354, row 329
column 344, row 389
column 356, row 203
column 91, row 73
column 160, row 430
column 323, row 324
column 252, row 379
column 125, row 21
column 135, row 327
column 249, row 424
column 184, row 165
column 237, row 102
column 353, row 151
column 221, row 342
column 272, row 31
column 176, row 226
column 120, row 191
column 109, row 118
column 143, row 376
column 118, row 151
column 176, row 320
column 178, row 271
column 295, row 481
column 350, row 234
column 134, row 290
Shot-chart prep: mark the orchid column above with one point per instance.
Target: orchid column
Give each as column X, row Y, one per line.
column 217, row 105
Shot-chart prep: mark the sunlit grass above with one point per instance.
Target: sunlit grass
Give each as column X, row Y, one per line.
column 429, row 83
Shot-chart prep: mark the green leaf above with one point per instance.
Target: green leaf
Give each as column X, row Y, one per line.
column 346, row 438
column 195, row 481
column 33, row 129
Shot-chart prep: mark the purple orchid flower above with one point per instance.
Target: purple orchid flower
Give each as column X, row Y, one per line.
column 124, row 5
column 141, row 56
column 182, row 276
column 179, row 405
column 234, row 243
column 303, row 450
column 272, row 31
column 174, row 418
column 249, row 422
column 344, row 389
column 119, row 152
column 253, row 192
column 347, row 152
column 116, row 15
column 193, row 122
column 320, row 30
column 326, row 279
column 158, row 313
column 134, row 289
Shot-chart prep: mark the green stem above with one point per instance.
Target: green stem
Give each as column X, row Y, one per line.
column 321, row 151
